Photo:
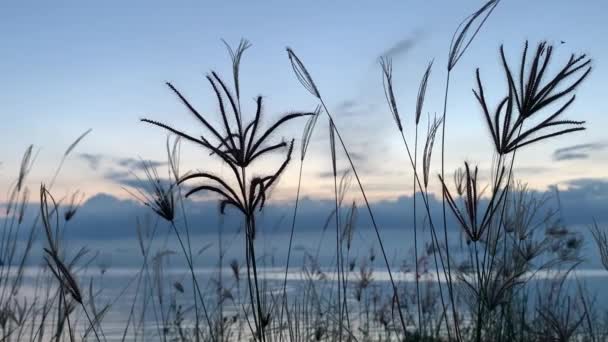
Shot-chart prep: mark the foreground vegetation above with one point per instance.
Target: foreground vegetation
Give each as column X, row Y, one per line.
column 486, row 290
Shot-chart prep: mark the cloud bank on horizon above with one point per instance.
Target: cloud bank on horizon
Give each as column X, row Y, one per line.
column 106, row 217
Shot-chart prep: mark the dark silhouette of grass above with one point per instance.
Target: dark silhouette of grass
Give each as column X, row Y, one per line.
column 238, row 147
column 530, row 97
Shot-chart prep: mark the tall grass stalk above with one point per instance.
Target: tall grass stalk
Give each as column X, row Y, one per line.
column 307, row 81
column 458, row 46
column 306, row 136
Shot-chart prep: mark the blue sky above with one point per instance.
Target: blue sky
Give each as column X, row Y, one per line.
column 70, row 66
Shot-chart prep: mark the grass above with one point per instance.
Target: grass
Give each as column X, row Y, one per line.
column 488, row 289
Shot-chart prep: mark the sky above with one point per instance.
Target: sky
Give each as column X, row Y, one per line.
column 70, row 66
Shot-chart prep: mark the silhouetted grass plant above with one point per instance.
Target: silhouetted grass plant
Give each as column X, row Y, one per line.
column 238, row 146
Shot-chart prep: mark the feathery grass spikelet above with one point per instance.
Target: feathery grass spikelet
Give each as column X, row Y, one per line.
column 387, row 83
column 308, row 129
column 529, row 96
column 470, row 219
column 73, row 205
column 157, row 195
column 302, row 74
column 462, row 38
column 428, row 149
column 422, row 91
